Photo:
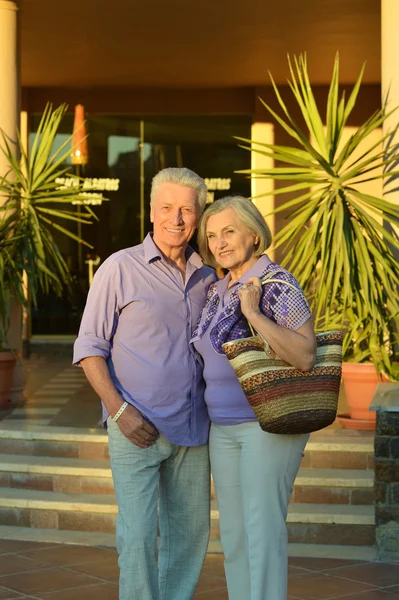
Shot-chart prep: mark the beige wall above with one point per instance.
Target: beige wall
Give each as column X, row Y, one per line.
column 239, row 100
column 144, row 101
column 263, row 133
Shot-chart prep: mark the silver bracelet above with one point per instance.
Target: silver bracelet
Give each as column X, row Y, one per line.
column 120, row 411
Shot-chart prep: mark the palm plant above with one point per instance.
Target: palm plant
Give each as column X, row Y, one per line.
column 34, row 203
column 335, row 241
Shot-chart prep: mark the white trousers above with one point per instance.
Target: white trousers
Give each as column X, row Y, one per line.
column 254, row 474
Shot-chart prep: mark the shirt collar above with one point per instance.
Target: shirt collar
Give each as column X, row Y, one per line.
column 152, row 252
column 255, row 271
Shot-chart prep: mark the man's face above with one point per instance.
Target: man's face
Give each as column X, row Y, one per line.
column 175, row 214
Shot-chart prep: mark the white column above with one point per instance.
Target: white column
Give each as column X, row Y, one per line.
column 9, row 122
column 263, row 133
column 390, row 75
column 9, row 74
column 9, row 105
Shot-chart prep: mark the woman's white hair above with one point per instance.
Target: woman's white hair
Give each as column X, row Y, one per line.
column 181, row 176
column 248, row 215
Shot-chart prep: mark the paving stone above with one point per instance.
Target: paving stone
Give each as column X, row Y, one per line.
column 36, row 583
column 13, row 563
column 105, row 591
column 7, row 546
column 321, row 564
column 374, row 574
column 320, row 586
column 72, row 555
column 6, row 594
column 105, row 569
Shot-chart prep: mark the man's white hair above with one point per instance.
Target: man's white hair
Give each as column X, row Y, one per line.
column 181, row 176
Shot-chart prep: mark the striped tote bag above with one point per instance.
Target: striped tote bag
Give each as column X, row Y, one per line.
column 284, row 398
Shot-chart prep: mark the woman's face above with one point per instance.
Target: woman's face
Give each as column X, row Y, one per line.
column 230, row 242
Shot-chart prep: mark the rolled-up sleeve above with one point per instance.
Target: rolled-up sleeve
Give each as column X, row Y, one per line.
column 100, row 315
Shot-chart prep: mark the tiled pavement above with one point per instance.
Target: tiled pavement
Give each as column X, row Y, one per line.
column 60, row 572
column 56, row 395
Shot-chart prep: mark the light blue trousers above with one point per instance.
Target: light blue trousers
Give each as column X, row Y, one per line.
column 179, row 477
column 254, row 473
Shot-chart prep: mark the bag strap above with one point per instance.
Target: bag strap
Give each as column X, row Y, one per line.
column 272, row 280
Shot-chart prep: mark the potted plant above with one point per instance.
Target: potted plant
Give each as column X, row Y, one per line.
column 335, row 241
column 33, row 208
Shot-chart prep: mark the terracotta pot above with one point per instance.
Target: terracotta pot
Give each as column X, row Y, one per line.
column 360, row 381
column 7, row 365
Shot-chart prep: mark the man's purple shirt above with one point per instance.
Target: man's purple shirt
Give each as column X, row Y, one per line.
column 139, row 317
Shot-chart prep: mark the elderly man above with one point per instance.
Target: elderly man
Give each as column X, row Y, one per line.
column 133, row 345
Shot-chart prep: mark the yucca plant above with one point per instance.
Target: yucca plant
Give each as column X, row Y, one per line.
column 33, row 206
column 335, row 241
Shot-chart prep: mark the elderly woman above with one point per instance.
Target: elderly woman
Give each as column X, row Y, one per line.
column 253, row 471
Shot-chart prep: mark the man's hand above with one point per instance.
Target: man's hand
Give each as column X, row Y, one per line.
column 135, row 428
column 131, row 422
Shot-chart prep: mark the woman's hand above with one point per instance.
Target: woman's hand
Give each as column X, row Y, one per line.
column 249, row 295
column 297, row 348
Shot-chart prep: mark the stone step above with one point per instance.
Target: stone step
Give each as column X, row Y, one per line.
column 50, row 465
column 63, row 442
column 56, row 474
column 340, row 478
column 76, row 475
column 307, row 523
column 334, row 486
column 324, row 524
column 90, row 538
column 329, row 449
column 338, row 449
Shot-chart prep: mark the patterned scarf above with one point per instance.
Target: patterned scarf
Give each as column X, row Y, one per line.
column 231, row 323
